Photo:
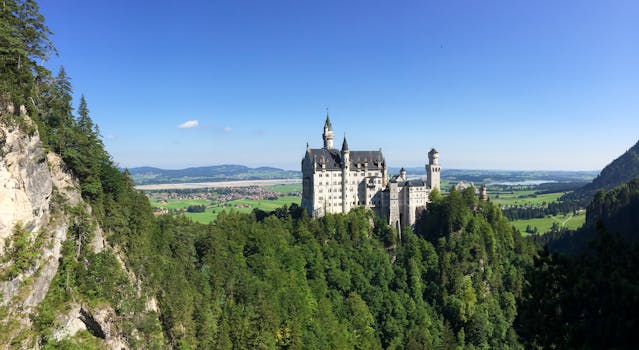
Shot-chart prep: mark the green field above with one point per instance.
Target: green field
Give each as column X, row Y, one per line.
column 181, row 203
column 284, row 188
column 525, row 198
column 568, row 221
column 239, row 205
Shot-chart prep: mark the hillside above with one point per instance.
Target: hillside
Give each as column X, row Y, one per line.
column 587, row 299
column 150, row 175
column 617, row 211
column 64, row 276
column 619, row 171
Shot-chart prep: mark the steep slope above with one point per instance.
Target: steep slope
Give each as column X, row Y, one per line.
column 588, row 299
column 621, row 170
column 616, row 210
column 45, row 225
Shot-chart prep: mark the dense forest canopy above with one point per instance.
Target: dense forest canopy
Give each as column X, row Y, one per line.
column 464, row 278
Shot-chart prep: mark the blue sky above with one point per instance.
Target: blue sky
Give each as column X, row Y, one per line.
column 490, row 84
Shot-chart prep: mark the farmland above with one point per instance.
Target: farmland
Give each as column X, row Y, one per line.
column 516, row 201
column 272, row 196
column 543, row 225
column 203, row 205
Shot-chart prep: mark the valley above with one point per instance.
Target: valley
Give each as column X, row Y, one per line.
column 245, row 196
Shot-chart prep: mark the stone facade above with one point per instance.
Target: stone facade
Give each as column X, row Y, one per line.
column 334, row 181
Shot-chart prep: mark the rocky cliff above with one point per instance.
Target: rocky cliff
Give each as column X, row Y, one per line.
column 39, row 204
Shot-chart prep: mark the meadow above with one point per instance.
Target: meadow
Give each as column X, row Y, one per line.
column 525, row 198
column 238, row 205
column 284, row 189
column 567, row 221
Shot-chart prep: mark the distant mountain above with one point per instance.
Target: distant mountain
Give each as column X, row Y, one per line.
column 621, row 170
column 225, row 172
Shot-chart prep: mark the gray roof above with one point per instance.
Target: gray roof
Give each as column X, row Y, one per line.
column 412, row 183
column 333, row 158
column 408, row 183
column 344, row 144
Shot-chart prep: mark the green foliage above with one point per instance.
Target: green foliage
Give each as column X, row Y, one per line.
column 23, row 251
column 584, row 301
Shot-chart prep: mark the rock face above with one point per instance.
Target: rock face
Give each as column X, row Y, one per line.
column 25, row 182
column 34, row 189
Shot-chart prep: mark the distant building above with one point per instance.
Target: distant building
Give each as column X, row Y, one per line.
column 334, row 181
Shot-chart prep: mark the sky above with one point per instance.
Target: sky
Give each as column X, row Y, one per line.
column 531, row 85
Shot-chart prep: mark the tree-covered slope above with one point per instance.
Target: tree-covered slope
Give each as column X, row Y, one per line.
column 617, row 210
column 283, row 280
column 619, row 171
column 588, row 300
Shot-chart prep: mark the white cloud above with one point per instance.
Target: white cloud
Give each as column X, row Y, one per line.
column 228, row 129
column 189, row 124
column 111, row 137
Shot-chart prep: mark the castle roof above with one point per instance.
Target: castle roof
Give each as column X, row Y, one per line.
column 408, row 183
column 412, row 183
column 328, row 124
column 344, row 144
column 333, row 159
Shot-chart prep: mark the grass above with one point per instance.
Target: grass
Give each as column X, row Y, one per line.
column 285, row 188
column 180, row 203
column 526, row 198
column 568, row 221
column 238, row 205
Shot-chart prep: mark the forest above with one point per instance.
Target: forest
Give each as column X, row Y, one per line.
column 463, row 278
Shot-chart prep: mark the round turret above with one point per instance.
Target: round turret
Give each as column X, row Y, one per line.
column 328, row 133
column 433, row 156
column 402, row 174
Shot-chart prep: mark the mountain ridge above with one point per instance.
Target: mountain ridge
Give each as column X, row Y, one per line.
column 621, row 170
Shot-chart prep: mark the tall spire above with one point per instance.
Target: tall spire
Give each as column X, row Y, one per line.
column 328, row 133
column 327, row 124
column 344, row 144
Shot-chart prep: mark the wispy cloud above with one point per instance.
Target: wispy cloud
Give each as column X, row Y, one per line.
column 189, row 124
column 110, row 137
column 227, row 129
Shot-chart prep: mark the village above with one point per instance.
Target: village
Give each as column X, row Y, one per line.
column 176, row 201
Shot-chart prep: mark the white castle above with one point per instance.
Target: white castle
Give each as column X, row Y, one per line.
column 335, row 181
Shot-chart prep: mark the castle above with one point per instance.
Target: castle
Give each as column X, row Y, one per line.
column 334, row 181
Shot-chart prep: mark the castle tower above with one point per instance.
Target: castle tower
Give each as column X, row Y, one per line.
column 483, row 193
column 328, row 133
column 402, row 174
column 346, row 158
column 433, row 169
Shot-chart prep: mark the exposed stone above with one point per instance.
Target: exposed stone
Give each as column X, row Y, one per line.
column 25, row 183
column 71, row 324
